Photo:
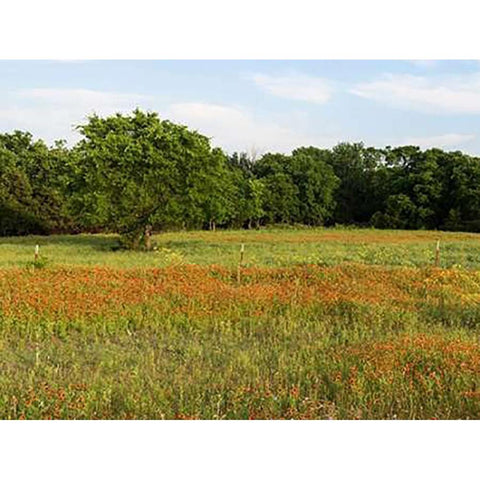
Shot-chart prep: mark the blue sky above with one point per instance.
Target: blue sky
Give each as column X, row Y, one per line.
column 256, row 106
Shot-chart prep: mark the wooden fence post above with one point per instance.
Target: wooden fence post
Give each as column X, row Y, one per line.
column 240, row 263
column 437, row 254
column 37, row 251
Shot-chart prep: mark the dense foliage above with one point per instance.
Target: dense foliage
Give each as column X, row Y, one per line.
column 33, row 184
column 135, row 173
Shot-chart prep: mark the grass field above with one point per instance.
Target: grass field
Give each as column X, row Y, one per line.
column 264, row 248
column 324, row 323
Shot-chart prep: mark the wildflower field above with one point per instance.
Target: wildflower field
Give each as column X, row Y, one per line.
column 316, row 324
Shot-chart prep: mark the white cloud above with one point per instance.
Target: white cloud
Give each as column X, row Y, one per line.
column 426, row 64
column 90, row 99
column 296, row 87
column 445, row 95
column 439, row 141
column 234, row 128
column 52, row 113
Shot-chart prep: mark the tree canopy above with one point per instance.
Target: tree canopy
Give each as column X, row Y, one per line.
column 135, row 173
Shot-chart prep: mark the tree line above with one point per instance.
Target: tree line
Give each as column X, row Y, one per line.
column 136, row 173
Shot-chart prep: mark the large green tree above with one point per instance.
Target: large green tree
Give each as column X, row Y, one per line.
column 282, row 203
column 299, row 188
column 316, row 183
column 33, row 180
column 136, row 172
column 361, row 175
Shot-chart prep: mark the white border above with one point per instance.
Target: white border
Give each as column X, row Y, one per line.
column 238, row 450
column 221, row 29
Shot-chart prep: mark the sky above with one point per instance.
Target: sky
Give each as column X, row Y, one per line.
column 255, row 106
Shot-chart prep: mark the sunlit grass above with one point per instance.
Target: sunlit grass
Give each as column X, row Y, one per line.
column 269, row 247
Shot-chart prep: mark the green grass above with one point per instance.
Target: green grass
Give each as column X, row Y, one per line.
column 299, row 363
column 269, row 248
column 92, row 332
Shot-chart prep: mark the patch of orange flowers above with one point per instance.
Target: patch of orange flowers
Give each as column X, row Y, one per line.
column 206, row 290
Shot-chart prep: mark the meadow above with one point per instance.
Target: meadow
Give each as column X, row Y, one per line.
column 321, row 324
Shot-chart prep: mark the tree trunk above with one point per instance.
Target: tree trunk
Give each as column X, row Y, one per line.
column 213, row 225
column 249, row 223
column 136, row 241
